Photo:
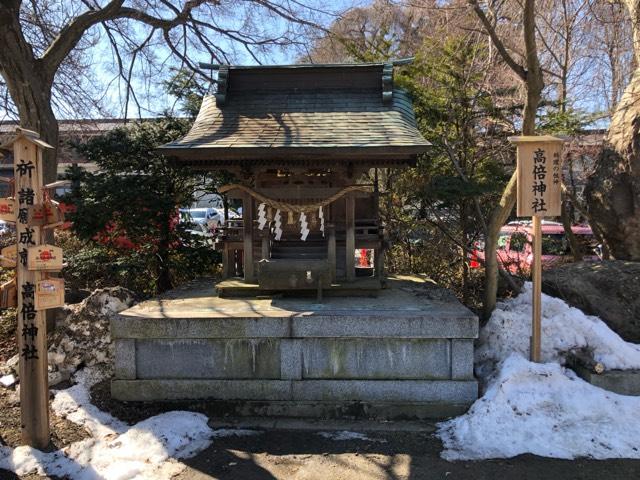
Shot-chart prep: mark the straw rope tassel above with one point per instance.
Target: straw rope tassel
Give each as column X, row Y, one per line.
column 278, row 225
column 304, row 227
column 262, row 218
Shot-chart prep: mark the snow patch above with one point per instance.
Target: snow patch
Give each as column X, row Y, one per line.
column 563, row 328
column 346, row 435
column 546, row 410
column 543, row 408
column 115, row 450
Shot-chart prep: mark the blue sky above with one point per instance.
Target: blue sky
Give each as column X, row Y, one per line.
column 156, row 100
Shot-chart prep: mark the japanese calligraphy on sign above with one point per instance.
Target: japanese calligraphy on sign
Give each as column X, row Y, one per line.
column 27, row 149
column 539, row 174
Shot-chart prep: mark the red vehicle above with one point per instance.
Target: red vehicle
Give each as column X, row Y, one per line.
column 515, row 249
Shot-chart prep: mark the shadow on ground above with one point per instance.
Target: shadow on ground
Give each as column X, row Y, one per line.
column 306, row 455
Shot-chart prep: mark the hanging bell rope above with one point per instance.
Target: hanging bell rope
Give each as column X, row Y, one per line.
column 290, row 207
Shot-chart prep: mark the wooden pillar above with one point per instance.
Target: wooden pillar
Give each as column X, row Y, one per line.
column 225, row 261
column 379, row 260
column 350, row 242
column 331, row 249
column 266, row 242
column 32, row 329
column 536, row 333
column 247, row 222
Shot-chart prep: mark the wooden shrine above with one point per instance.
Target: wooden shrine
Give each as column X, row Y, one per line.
column 304, row 143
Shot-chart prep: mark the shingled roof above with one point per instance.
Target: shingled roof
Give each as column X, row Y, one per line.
column 283, row 114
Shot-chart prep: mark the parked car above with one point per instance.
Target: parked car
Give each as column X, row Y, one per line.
column 209, row 217
column 515, row 247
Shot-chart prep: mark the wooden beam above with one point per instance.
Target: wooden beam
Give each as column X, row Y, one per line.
column 247, row 216
column 350, row 241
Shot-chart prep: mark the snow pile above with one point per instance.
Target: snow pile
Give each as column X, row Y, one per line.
column 114, row 450
column 546, row 410
column 564, row 328
column 346, row 435
column 82, row 336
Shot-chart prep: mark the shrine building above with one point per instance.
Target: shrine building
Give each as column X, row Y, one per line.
column 304, row 143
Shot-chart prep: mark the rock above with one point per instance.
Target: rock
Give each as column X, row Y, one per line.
column 8, row 380
column 13, row 398
column 58, row 377
column 608, row 289
column 13, row 362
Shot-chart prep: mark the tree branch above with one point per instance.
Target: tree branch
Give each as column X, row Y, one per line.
column 497, row 42
column 71, row 34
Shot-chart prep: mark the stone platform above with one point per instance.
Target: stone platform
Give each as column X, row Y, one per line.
column 406, row 353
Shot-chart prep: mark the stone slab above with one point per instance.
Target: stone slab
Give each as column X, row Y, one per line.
column 272, row 411
column 206, row 358
column 402, row 391
column 126, row 326
column 374, row 326
column 160, row 390
column 376, row 358
column 374, row 391
column 462, row 359
column 125, row 358
column 624, row 382
column 290, row 359
column 406, row 298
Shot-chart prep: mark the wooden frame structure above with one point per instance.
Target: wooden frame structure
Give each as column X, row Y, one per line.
column 304, row 143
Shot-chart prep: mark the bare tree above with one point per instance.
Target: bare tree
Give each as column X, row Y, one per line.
column 47, row 46
column 529, row 72
column 613, row 190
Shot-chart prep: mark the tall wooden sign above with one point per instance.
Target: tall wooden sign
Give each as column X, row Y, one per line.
column 539, row 185
column 31, row 333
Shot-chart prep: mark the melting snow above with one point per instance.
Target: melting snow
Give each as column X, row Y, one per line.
column 115, row 450
column 563, row 328
column 545, row 409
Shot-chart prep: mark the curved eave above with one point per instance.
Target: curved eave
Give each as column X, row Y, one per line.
column 220, row 157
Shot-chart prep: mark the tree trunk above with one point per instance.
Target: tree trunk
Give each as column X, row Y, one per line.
column 534, row 85
column 613, row 189
column 36, row 114
column 498, row 217
column 567, row 222
column 30, row 85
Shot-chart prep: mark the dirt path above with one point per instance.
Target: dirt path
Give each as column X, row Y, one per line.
column 298, row 455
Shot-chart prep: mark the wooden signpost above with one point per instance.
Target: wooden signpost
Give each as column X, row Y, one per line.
column 35, row 291
column 539, row 180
